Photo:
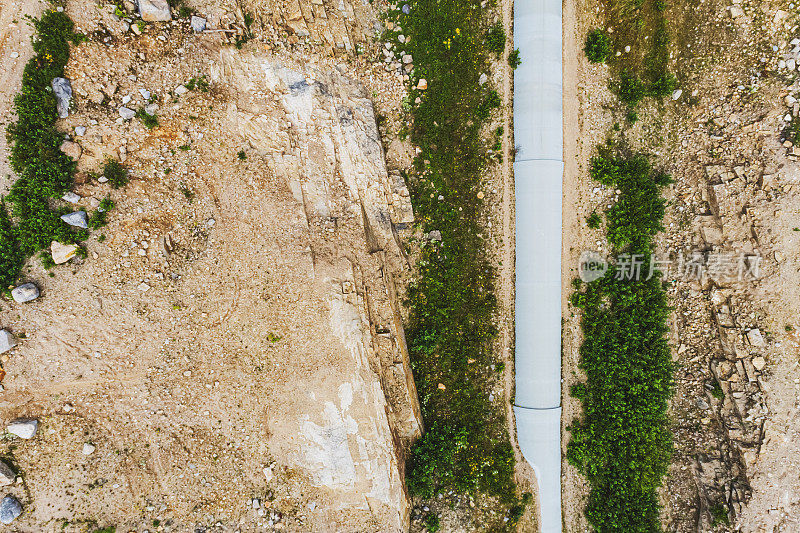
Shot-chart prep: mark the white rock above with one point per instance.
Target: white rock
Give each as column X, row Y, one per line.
column 62, row 89
column 80, row 131
column 126, row 113
column 154, row 10
column 483, row 79
column 144, row 287
column 125, row 99
column 77, row 219
column 755, row 338
column 62, row 252
column 10, row 508
column 71, row 197
column 7, row 340
column 7, row 476
column 791, row 64
column 181, row 89
column 677, row 94
column 198, row 23
column 25, row 293
column 759, row 363
column 145, row 94
column 24, row 429
column 88, row 449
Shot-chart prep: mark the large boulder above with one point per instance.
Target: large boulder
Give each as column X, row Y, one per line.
column 10, row 509
column 25, row 293
column 62, row 89
column 154, row 10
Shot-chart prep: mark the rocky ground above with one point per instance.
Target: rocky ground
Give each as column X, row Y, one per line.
column 230, row 354
column 730, row 238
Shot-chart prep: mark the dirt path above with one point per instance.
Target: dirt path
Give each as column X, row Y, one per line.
column 15, row 37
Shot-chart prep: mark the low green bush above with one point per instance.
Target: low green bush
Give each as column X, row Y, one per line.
column 622, row 442
column 598, row 46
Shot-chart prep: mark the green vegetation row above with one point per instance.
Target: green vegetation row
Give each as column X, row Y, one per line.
column 641, row 71
column 622, row 442
column 452, row 301
column 44, row 172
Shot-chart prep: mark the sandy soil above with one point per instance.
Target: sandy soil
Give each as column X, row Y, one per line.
column 235, row 336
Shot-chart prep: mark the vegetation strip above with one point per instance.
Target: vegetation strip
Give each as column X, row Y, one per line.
column 622, row 443
column 44, row 171
column 452, row 304
column 640, row 71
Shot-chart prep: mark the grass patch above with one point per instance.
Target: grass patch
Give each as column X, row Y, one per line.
column 452, row 304
column 641, row 38
column 116, row 173
column 44, row 172
column 149, row 121
column 622, row 442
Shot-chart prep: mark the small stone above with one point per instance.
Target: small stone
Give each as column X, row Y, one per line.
column 406, row 9
column 422, row 84
column 702, row 403
column 151, row 109
column 71, row 197
column 441, row 386
column 24, row 429
column 62, row 89
column 198, row 23
column 80, row 131
column 145, row 94
column 25, row 293
column 7, row 476
column 677, row 94
column 73, row 150
column 755, row 338
column 126, row 113
column 77, row 219
column 435, row 235
column 144, row 287
column 408, row 59
column 483, row 79
column 181, row 89
column 62, row 252
column 759, row 363
column 10, row 509
column 154, row 10
column 127, row 98
column 14, row 55
column 268, row 474
column 88, row 448
column 7, row 340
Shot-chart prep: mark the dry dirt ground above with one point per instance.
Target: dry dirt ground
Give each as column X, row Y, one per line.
column 735, row 411
column 232, row 346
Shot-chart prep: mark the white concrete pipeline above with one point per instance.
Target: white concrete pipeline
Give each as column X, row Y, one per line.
column 538, row 175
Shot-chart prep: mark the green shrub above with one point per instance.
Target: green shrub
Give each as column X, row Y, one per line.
column 496, row 39
column 630, row 89
column 632, row 117
column 432, row 523
column 598, row 46
column 115, row 172
column 514, row 58
column 44, row 171
column 11, row 257
column 622, row 442
column 593, row 220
